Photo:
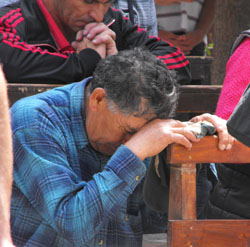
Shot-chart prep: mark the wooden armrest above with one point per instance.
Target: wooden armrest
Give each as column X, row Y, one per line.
column 183, row 227
column 206, row 151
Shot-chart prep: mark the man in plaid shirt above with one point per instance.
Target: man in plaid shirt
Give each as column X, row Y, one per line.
column 80, row 155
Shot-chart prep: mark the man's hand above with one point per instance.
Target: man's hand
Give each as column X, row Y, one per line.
column 225, row 139
column 158, row 134
column 86, row 43
column 98, row 34
column 168, row 36
column 185, row 42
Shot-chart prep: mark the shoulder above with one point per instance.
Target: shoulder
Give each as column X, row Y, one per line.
column 50, row 107
column 241, row 37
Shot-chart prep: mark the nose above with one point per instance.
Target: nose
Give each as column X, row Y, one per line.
column 98, row 11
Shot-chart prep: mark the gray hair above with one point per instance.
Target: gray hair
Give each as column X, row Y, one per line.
column 137, row 83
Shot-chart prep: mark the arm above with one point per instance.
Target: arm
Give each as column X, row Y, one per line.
column 187, row 41
column 167, row 131
column 75, row 208
column 33, row 65
column 206, row 18
column 5, row 165
column 128, row 36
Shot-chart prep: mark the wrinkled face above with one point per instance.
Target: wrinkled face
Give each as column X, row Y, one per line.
column 75, row 14
column 108, row 130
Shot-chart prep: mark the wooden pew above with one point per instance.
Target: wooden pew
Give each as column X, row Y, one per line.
column 200, row 67
column 183, row 227
column 193, row 98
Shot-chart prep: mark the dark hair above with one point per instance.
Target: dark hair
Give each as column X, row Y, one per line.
column 138, row 83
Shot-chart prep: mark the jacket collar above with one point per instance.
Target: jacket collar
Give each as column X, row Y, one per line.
column 36, row 28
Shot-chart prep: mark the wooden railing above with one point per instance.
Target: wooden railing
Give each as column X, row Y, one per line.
column 183, row 227
column 193, row 98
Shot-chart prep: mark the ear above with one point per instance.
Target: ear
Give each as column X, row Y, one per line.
column 97, row 99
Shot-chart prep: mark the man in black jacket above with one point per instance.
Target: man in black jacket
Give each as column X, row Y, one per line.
column 53, row 41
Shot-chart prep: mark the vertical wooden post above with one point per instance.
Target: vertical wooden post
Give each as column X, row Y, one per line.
column 182, row 196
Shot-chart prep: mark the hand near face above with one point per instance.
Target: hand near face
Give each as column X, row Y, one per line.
column 158, row 134
column 86, row 43
column 99, row 34
column 225, row 139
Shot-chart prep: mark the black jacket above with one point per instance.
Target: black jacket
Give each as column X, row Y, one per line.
column 230, row 198
column 30, row 55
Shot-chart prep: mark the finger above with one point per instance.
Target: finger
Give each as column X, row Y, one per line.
column 196, row 119
column 225, row 140
column 205, row 116
column 89, row 27
column 79, row 35
column 104, row 37
column 230, row 142
column 219, row 123
column 100, row 29
column 187, row 133
column 174, row 123
column 74, row 44
column 181, row 139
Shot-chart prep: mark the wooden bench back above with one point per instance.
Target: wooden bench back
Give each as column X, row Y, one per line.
column 195, row 99
column 183, row 227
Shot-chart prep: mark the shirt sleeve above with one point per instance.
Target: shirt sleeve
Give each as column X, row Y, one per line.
column 45, row 175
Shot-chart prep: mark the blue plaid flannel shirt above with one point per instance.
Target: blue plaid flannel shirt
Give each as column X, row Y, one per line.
column 64, row 192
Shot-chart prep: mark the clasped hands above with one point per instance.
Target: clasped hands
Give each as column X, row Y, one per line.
column 98, row 37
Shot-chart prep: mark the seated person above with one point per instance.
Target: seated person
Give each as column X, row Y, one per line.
column 81, row 154
column 53, row 41
column 186, row 23
column 230, row 198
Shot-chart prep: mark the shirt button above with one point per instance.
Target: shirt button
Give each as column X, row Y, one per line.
column 137, row 178
column 100, row 242
column 126, row 218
